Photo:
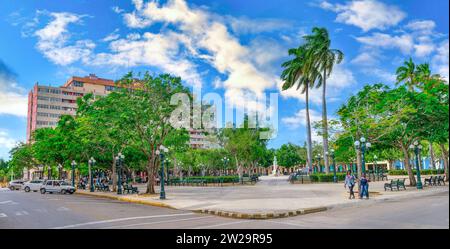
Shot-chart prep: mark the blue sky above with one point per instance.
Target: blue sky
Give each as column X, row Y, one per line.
column 231, row 47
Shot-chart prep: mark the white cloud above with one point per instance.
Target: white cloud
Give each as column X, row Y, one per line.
column 6, row 141
column 112, row 36
column 206, row 37
column 245, row 25
column 158, row 50
column 13, row 100
column 299, row 119
column 366, row 14
column 366, row 58
column 422, row 26
column 405, row 42
column 117, row 9
column 423, row 49
column 53, row 40
column 341, row 78
column 440, row 60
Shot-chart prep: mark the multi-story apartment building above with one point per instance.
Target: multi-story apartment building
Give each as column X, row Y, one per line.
column 46, row 104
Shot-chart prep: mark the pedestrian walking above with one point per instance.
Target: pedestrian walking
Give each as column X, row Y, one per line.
column 364, row 183
column 350, row 183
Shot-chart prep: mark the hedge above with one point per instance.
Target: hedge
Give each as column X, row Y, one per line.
column 321, row 177
column 400, row 172
column 211, row 179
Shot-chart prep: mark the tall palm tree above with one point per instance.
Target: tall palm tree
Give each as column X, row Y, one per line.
column 407, row 74
column 294, row 75
column 322, row 59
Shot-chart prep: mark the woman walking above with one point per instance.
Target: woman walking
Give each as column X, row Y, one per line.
column 350, row 183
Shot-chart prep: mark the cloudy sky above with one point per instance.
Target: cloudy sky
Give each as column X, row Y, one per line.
column 231, row 47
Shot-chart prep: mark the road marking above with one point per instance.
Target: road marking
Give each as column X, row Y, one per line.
column 20, row 213
column 122, row 219
column 41, row 210
column 156, row 222
column 225, row 224
column 62, row 209
column 3, row 215
column 8, row 202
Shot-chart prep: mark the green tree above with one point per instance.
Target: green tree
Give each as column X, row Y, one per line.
column 298, row 73
column 288, row 155
column 147, row 113
column 322, row 59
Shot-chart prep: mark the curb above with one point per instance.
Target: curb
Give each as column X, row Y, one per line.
column 261, row 216
column 127, row 199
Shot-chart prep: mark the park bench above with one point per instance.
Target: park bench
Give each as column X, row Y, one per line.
column 102, row 187
column 248, row 179
column 435, row 183
column 399, row 183
column 428, row 181
column 81, row 186
column 441, row 179
column 130, row 188
column 382, row 176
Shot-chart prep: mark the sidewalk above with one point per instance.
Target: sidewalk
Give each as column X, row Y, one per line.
column 272, row 197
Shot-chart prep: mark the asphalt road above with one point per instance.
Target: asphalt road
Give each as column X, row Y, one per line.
column 33, row 210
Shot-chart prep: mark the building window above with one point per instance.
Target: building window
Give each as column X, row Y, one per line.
column 55, row 91
column 38, row 122
column 110, row 88
column 42, row 106
column 77, row 83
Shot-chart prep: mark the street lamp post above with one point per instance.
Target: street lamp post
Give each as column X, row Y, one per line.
column 161, row 152
column 319, row 157
column 362, row 145
column 91, row 179
column 417, row 148
column 225, row 161
column 119, row 160
column 376, row 167
column 334, row 166
column 73, row 172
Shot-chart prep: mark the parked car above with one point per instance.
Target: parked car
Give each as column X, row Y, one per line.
column 16, row 184
column 33, row 185
column 56, row 186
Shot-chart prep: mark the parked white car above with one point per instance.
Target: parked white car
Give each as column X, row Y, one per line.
column 16, row 184
column 33, row 185
column 56, row 186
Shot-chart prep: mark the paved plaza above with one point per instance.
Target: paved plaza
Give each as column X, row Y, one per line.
column 271, row 194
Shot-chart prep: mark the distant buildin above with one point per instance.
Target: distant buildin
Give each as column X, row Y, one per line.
column 46, row 104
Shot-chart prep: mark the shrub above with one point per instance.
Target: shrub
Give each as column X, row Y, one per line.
column 321, row 177
column 401, row 172
column 211, row 179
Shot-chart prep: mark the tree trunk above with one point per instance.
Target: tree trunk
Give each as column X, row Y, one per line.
column 151, row 176
column 445, row 157
column 325, row 122
column 432, row 157
column 359, row 163
column 412, row 180
column 239, row 168
column 308, row 131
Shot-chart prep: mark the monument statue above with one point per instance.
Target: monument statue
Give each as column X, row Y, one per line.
column 275, row 166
